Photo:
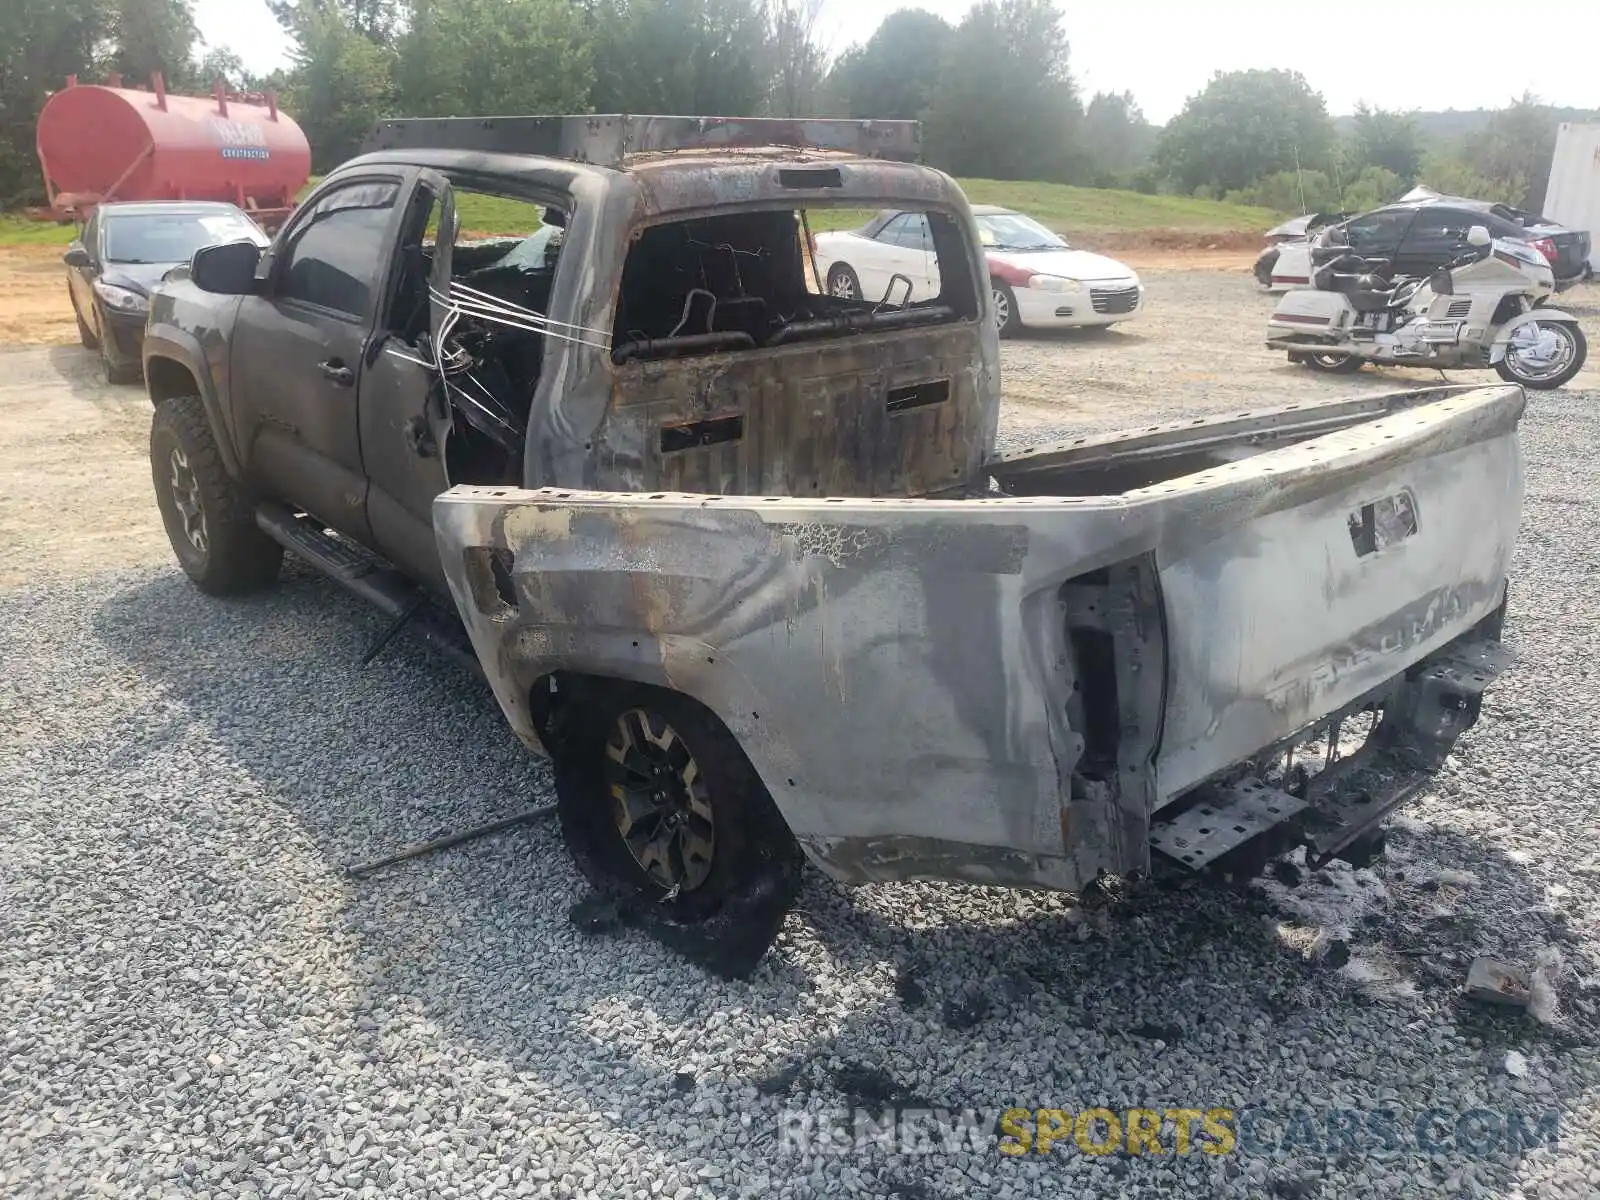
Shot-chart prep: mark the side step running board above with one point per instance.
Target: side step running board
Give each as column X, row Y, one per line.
column 371, row 578
column 1422, row 718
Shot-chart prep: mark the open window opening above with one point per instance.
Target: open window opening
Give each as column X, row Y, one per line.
column 472, row 303
column 768, row 278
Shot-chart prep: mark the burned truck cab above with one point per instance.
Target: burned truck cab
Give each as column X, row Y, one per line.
column 685, row 338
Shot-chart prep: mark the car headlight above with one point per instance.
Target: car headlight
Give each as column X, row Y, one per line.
column 1054, row 283
column 121, row 299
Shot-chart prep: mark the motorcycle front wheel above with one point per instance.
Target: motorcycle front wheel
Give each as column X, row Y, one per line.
column 1543, row 355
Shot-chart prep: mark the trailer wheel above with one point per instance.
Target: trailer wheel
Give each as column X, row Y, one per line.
column 210, row 521
column 661, row 808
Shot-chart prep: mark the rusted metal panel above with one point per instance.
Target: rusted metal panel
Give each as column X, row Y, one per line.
column 585, row 425
column 900, row 672
column 816, row 419
column 613, row 139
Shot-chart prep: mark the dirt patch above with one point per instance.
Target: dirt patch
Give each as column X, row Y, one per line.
column 75, row 494
column 1179, row 241
column 1154, row 258
column 34, row 307
column 1177, row 249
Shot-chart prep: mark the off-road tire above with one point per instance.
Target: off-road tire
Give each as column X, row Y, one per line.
column 236, row 556
column 841, row 276
column 1009, row 322
column 85, row 335
column 1580, row 355
column 728, row 921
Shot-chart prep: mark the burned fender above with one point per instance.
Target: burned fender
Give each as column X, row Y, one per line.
column 168, row 347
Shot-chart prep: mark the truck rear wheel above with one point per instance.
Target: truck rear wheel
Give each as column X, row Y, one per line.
column 661, row 808
column 210, row 521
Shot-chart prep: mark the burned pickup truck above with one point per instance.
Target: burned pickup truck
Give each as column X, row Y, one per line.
column 739, row 556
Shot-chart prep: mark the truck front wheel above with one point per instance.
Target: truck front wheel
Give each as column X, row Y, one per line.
column 662, row 811
column 210, row 521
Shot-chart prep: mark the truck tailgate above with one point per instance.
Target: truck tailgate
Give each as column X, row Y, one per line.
column 1006, row 689
column 1300, row 611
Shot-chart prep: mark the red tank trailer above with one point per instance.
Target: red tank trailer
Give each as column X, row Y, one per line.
column 103, row 143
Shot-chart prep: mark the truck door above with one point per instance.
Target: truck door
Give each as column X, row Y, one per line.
column 405, row 424
column 299, row 351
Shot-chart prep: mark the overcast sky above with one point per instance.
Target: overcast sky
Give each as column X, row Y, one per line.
column 1165, row 50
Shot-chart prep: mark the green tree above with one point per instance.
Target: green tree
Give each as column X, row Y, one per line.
column 1389, row 140
column 1445, row 171
column 680, row 56
column 1244, row 125
column 1116, row 138
column 892, row 76
column 1515, row 151
column 466, row 57
column 146, row 36
column 798, row 61
column 341, row 84
column 41, row 43
column 1005, row 106
column 220, row 63
column 379, row 21
column 1290, row 192
column 1371, row 187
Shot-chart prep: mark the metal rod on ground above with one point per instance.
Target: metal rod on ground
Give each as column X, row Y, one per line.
column 455, row 839
column 395, row 627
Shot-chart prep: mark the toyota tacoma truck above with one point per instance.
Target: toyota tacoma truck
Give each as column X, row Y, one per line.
column 739, row 555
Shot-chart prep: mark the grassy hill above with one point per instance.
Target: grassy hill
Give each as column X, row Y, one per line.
column 1105, row 210
column 1070, row 210
column 1064, row 208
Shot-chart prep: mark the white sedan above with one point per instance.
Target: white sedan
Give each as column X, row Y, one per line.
column 1037, row 279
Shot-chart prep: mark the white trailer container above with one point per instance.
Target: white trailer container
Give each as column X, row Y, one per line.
column 1573, row 197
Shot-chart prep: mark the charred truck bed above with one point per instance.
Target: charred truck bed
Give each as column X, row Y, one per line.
column 1034, row 689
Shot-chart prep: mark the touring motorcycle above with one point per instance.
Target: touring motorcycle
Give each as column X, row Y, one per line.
column 1484, row 310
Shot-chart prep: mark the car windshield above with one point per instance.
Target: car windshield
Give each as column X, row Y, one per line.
column 173, row 237
column 1013, row 231
column 535, row 252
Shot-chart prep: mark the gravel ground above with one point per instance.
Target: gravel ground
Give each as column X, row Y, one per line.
column 197, row 1001
column 1196, row 346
